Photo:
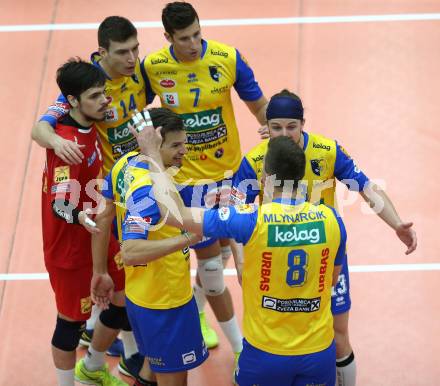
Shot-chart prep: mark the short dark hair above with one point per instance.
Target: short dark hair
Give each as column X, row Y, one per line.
column 169, row 120
column 285, row 159
column 116, row 29
column 178, row 15
column 76, row 76
column 286, row 93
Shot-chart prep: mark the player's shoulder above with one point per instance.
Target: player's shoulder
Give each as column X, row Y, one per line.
column 320, row 142
column 161, row 56
column 256, row 154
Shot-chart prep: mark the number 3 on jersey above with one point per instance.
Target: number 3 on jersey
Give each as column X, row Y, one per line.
column 297, row 264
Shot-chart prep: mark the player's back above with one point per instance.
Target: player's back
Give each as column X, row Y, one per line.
column 287, row 278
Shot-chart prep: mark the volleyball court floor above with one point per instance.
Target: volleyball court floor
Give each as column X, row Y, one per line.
column 367, row 72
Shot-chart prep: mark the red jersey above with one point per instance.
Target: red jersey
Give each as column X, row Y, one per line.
column 69, row 245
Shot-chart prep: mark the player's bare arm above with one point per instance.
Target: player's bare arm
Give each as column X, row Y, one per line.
column 140, row 251
column 102, row 286
column 384, row 208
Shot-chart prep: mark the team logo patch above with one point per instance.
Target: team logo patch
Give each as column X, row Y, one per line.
column 86, row 305
column 219, row 153
column 319, row 166
column 171, row 99
column 167, row 83
column 223, row 213
column 61, row 174
column 213, row 71
column 189, row 357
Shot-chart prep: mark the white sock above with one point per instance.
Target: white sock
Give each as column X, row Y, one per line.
column 90, row 324
column 226, row 254
column 233, row 333
column 94, row 360
column 65, row 377
column 200, row 297
column 346, row 371
column 130, row 346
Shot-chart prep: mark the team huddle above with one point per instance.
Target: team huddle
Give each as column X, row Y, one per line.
column 129, row 190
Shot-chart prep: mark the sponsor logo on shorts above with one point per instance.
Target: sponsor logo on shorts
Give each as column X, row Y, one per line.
column 189, row 357
column 299, row 234
column 291, row 305
column 86, row 305
column 61, row 174
column 219, row 153
column 223, row 213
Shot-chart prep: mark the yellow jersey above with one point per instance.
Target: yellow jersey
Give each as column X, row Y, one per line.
column 165, row 282
column 200, row 92
column 325, row 161
column 290, row 250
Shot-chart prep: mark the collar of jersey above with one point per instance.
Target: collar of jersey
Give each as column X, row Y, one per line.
column 202, row 54
column 291, row 201
column 306, row 140
column 68, row 120
column 133, row 162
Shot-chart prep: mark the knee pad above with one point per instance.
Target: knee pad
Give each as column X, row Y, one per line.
column 114, row 317
column 211, row 275
column 66, row 335
column 226, row 254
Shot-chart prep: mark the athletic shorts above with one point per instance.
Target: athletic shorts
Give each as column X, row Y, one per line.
column 72, row 286
column 341, row 301
column 257, row 367
column 171, row 339
column 195, row 195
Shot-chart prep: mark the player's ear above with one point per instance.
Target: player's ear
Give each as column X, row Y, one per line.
column 168, row 37
column 102, row 52
column 72, row 100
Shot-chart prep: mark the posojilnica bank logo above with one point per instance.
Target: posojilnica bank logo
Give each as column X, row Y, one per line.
column 292, row 235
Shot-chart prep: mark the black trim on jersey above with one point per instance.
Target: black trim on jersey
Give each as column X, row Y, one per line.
column 65, row 211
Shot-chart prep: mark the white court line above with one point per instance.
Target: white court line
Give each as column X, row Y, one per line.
column 232, row 272
column 236, row 22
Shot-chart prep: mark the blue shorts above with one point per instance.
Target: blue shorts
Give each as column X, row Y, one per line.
column 194, row 196
column 257, row 367
column 341, row 301
column 170, row 339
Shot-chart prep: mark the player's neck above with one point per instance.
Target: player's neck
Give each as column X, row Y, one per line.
column 80, row 118
column 286, row 193
column 108, row 70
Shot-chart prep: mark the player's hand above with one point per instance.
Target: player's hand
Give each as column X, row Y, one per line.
column 239, row 268
column 69, row 151
column 408, row 236
column 102, row 289
column 87, row 222
column 148, row 138
column 264, row 132
column 194, row 238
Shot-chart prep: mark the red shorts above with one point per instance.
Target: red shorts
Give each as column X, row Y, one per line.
column 72, row 286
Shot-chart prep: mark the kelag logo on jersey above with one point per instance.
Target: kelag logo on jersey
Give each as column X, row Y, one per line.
column 202, row 120
column 291, row 235
column 118, row 134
